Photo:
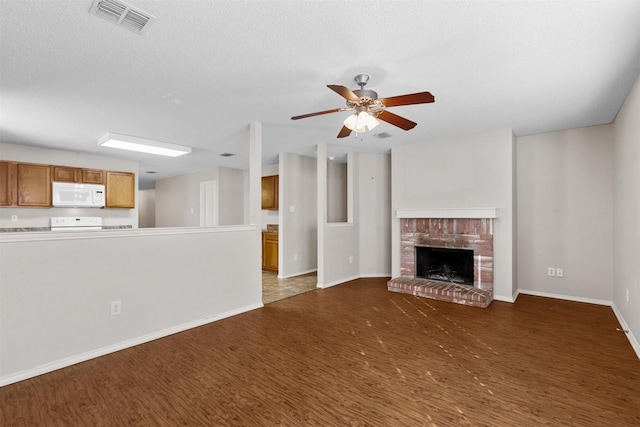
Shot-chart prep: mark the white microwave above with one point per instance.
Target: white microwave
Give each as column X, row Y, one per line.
column 71, row 194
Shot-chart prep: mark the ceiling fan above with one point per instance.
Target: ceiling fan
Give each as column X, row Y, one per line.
column 368, row 108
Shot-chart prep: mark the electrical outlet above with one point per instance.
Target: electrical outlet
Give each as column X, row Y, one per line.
column 551, row 271
column 627, row 294
column 350, row 259
column 116, row 308
column 559, row 272
column 295, row 257
column 14, row 218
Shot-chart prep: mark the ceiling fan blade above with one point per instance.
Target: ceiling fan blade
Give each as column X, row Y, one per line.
column 344, row 92
column 344, row 132
column 396, row 120
column 319, row 113
column 413, row 98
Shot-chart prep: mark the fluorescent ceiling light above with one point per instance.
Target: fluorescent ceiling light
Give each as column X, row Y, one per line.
column 133, row 143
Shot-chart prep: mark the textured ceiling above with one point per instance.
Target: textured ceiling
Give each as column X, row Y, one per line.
column 205, row 69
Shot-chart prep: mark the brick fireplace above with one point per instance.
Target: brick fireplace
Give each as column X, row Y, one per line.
column 455, row 233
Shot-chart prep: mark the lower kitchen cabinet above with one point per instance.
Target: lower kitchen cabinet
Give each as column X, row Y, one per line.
column 270, row 251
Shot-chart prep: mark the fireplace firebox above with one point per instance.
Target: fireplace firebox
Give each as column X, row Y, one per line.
column 445, row 264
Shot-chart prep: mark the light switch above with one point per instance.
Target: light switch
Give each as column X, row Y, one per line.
column 292, row 209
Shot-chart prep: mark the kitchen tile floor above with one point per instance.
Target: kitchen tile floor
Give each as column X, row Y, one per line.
column 274, row 289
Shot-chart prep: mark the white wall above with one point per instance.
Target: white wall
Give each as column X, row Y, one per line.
column 178, row 197
column 40, row 217
column 298, row 238
column 464, row 172
column 374, row 219
column 336, row 191
column 167, row 280
column 231, row 190
column 147, row 208
column 626, row 214
column 565, row 208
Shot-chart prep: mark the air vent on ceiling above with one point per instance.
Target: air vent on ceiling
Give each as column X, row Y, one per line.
column 122, row 14
column 382, row 135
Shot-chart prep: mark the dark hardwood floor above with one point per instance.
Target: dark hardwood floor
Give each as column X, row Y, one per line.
column 356, row 355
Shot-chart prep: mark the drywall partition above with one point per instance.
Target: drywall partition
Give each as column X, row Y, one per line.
column 626, row 215
column 298, row 236
column 338, row 243
column 374, row 218
column 231, row 188
column 336, row 191
column 167, row 280
column 461, row 173
column 565, row 213
column 41, row 217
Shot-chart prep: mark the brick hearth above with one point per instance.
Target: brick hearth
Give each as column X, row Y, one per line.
column 458, row 233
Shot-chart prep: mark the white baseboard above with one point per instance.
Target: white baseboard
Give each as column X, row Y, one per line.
column 339, row 282
column 565, row 297
column 374, row 275
column 63, row 363
column 510, row 299
column 298, row 273
column 625, row 327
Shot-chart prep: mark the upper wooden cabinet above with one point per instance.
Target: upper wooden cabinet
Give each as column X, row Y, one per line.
column 65, row 174
column 8, row 184
column 120, row 188
column 92, row 176
column 34, row 185
column 270, row 192
column 29, row 184
column 71, row 174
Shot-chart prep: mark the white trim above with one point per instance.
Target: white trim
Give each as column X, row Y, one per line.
column 375, row 275
column 625, row 327
column 511, row 299
column 339, row 224
column 103, row 234
column 63, row 363
column 448, row 213
column 341, row 281
column 299, row 273
column 565, row 297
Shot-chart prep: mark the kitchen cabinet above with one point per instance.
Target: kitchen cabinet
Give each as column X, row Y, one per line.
column 80, row 175
column 270, row 192
column 270, row 251
column 34, row 185
column 65, row 174
column 120, row 188
column 8, row 184
column 92, row 176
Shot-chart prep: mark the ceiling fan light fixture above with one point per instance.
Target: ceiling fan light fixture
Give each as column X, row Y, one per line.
column 142, row 145
column 360, row 122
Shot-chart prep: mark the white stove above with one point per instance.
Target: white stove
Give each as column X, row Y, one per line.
column 75, row 223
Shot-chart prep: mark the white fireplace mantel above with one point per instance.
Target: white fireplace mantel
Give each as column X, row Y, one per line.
column 448, row 213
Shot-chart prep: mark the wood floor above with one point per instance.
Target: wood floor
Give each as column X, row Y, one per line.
column 356, row 355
